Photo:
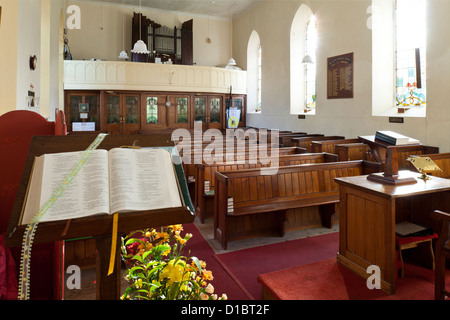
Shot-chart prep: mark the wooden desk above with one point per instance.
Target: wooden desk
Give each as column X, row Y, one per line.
column 368, row 213
column 99, row 227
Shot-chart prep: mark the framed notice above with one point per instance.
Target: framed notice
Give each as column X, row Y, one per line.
column 340, row 76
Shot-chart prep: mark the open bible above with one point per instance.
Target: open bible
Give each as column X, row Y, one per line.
column 119, row 180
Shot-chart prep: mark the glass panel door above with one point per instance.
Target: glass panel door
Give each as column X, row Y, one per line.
column 214, row 111
column 74, row 102
column 238, row 103
column 112, row 109
column 182, row 110
column 93, row 110
column 131, row 110
column 200, row 109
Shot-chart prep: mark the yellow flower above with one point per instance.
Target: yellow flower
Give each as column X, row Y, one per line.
column 162, row 235
column 166, row 253
column 138, row 283
column 207, row 275
column 175, row 273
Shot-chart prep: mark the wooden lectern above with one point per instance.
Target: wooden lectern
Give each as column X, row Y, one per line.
column 388, row 154
column 98, row 227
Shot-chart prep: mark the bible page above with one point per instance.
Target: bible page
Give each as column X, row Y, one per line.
column 142, row 179
column 86, row 195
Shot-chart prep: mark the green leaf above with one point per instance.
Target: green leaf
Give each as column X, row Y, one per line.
column 145, row 254
column 133, row 240
column 197, row 263
column 173, row 290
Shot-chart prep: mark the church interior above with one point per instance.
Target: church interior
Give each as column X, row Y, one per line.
column 308, row 147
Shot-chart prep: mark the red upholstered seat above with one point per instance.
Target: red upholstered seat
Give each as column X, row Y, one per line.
column 16, row 131
column 407, row 240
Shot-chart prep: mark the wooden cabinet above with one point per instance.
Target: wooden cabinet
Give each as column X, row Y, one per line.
column 82, row 111
column 132, row 112
column 121, row 113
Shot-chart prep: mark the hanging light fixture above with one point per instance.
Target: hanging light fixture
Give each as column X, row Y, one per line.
column 307, row 59
column 123, row 55
column 140, row 46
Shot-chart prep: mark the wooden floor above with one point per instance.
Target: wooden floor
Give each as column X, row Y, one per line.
column 87, row 291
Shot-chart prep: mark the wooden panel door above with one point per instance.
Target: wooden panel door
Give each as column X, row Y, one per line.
column 153, row 112
column 179, row 115
column 208, row 111
column 122, row 113
column 113, row 114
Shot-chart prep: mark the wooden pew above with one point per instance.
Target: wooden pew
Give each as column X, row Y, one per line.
column 189, row 168
column 330, row 145
column 442, row 160
column 403, row 152
column 305, row 142
column 253, row 200
column 205, row 173
column 353, row 151
column 286, row 140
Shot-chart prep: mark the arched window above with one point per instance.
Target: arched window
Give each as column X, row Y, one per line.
column 410, row 42
column 398, row 57
column 254, row 73
column 309, row 60
column 303, row 61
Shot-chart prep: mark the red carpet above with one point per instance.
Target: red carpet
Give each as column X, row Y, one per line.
column 328, row 280
column 245, row 265
column 200, row 248
column 306, row 269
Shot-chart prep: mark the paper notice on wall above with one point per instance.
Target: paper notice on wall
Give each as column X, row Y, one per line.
column 233, row 117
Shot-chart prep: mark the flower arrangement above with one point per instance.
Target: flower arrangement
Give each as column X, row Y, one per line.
column 157, row 270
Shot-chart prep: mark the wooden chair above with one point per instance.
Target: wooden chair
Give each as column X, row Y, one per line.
column 442, row 253
column 404, row 243
column 16, row 130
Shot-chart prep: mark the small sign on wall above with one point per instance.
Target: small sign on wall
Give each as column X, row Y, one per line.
column 340, row 76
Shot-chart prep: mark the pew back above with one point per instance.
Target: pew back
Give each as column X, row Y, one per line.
column 262, row 193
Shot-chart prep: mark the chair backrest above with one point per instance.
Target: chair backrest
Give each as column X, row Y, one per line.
column 16, row 130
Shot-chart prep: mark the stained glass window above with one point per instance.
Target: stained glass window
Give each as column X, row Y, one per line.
column 410, row 52
column 152, row 110
column 310, row 64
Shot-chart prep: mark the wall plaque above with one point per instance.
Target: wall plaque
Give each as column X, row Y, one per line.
column 340, row 76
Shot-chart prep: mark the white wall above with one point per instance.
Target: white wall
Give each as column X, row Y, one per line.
column 101, row 34
column 342, row 28
column 8, row 55
column 30, row 27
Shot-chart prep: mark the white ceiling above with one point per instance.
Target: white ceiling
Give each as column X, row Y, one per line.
column 213, row 8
